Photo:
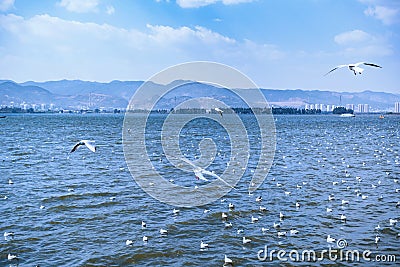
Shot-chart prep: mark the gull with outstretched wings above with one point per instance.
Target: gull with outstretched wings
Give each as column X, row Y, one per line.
column 355, row 67
column 88, row 143
column 198, row 171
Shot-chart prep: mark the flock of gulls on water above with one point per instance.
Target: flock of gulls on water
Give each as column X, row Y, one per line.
column 225, row 217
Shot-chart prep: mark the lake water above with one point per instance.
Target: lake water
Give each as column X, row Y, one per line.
column 91, row 204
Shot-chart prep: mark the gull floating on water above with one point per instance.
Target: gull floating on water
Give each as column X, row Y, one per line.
column 246, row 240
column 354, row 67
column 163, row 231
column 330, row 239
column 203, row 245
column 228, row 260
column 294, row 232
column 277, row 225
column 129, row 242
column 144, row 224
column 280, row 234
column 145, row 239
column 88, row 143
column 11, row 257
column 175, row 211
column 8, row 235
column 377, row 239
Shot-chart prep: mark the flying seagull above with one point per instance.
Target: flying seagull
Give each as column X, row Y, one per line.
column 219, row 111
column 88, row 143
column 354, row 67
column 198, row 171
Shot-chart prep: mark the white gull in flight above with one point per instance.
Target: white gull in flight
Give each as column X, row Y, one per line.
column 198, row 171
column 88, row 143
column 354, row 67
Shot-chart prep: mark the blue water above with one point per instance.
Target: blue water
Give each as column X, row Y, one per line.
column 92, row 205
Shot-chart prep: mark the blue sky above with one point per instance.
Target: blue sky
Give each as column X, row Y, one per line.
column 281, row 44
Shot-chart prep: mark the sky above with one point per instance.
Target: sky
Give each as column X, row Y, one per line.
column 279, row 44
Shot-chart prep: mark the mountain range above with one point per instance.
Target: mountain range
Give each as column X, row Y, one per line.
column 77, row 94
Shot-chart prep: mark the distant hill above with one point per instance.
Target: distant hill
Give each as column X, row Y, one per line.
column 30, row 93
column 13, row 92
column 77, row 94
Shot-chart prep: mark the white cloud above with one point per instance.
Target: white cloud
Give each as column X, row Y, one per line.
column 387, row 15
column 52, row 47
column 182, row 35
column 6, row 4
column 352, row 37
column 80, row 6
column 200, row 3
column 387, row 11
column 361, row 43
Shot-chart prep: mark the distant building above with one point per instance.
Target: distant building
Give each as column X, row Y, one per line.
column 350, row 106
column 363, row 108
column 328, row 108
column 366, row 108
column 397, row 107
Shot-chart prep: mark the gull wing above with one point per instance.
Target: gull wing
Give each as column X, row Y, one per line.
column 76, row 146
column 216, row 176
column 371, row 64
column 335, row 68
column 90, row 144
column 189, row 162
